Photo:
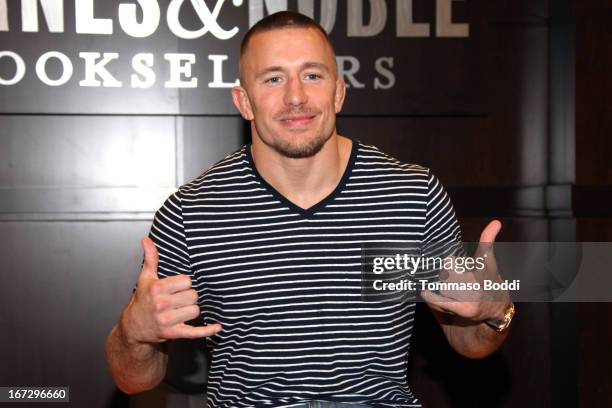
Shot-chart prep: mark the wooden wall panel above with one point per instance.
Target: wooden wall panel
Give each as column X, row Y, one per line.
column 460, row 151
column 594, row 186
column 594, row 330
column 64, row 284
column 516, row 372
column 85, row 151
column 206, row 140
column 593, row 191
column 593, row 87
column 85, row 165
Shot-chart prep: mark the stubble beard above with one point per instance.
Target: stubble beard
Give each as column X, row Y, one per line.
column 300, row 150
column 295, row 149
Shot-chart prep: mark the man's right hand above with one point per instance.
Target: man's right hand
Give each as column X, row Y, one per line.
column 160, row 307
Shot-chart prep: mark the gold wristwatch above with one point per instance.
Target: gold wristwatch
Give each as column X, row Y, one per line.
column 501, row 325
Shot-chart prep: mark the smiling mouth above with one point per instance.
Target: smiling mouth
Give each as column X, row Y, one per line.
column 296, row 121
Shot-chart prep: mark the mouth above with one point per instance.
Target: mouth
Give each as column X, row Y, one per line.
column 297, row 120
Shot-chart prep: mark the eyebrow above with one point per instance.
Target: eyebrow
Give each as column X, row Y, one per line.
column 306, row 65
column 315, row 65
column 267, row 71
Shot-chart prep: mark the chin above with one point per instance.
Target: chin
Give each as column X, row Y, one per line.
column 306, row 147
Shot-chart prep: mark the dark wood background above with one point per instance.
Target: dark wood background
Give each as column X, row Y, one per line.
column 527, row 140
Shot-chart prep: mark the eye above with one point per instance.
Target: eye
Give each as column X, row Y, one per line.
column 273, row 80
column 313, row 77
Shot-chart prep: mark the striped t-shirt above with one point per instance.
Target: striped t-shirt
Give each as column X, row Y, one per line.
column 285, row 284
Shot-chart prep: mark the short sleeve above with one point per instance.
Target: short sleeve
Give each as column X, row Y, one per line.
column 442, row 233
column 168, row 234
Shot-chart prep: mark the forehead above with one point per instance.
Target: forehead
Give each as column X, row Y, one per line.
column 287, row 47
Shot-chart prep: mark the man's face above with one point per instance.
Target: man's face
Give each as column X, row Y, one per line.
column 290, row 90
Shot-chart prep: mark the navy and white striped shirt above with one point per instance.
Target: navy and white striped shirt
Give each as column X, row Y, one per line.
column 284, row 282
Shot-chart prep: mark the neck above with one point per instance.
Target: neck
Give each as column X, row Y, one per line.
column 305, row 181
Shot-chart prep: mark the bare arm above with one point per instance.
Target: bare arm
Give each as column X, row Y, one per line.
column 462, row 321
column 136, row 346
column 135, row 366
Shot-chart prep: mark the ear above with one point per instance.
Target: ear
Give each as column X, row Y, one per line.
column 340, row 94
column 242, row 103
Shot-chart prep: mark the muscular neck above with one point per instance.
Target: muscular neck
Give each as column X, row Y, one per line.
column 306, row 181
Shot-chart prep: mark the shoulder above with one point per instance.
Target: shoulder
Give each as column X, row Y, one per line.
column 373, row 160
column 233, row 167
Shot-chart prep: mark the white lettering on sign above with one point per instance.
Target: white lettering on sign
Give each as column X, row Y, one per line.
column 20, row 68
column 208, row 18
column 329, row 9
column 143, row 18
column 180, row 65
column 444, row 25
column 405, row 26
column 383, row 66
column 217, row 81
column 94, row 69
column 41, row 66
column 378, row 18
column 53, row 11
column 143, row 64
column 348, row 66
column 86, row 23
column 256, row 9
column 4, row 25
column 127, row 13
column 150, row 18
column 328, row 14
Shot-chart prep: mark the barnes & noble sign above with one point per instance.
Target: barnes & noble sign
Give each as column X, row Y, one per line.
column 181, row 56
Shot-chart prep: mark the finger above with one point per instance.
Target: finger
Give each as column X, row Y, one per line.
column 185, row 331
column 149, row 266
column 180, row 299
column 174, row 284
column 464, row 309
column 172, row 317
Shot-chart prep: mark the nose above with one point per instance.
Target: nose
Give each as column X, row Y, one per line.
column 295, row 94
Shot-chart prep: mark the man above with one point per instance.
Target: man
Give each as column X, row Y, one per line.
column 265, row 246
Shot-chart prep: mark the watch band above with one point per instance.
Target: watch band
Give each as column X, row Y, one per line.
column 501, row 325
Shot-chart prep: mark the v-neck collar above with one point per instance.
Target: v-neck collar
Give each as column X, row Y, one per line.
column 306, row 212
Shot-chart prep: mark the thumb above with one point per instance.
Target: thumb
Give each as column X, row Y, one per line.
column 149, row 266
column 490, row 232
column 487, row 237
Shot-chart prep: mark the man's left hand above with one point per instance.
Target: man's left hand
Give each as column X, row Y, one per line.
column 474, row 305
